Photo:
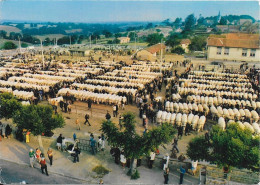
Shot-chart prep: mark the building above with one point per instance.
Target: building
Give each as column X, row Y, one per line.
column 151, row 52
column 79, row 52
column 185, row 44
column 123, row 40
column 234, row 47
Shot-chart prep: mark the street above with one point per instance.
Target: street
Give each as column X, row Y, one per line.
column 15, row 173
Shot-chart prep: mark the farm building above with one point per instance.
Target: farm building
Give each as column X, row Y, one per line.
column 150, row 52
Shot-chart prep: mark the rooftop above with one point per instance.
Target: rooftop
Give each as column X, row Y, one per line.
column 235, row 40
column 155, row 48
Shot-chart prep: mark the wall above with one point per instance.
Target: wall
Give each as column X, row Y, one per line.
column 235, row 54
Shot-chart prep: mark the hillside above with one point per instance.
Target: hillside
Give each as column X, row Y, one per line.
column 9, row 29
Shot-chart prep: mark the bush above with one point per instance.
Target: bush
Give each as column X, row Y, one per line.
column 135, row 175
column 9, row 45
column 100, row 170
column 179, row 50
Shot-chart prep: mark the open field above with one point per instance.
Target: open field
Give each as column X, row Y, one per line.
column 9, row 29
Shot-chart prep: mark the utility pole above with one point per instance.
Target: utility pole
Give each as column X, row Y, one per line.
column 42, row 54
column 90, row 41
column 19, row 44
column 161, row 57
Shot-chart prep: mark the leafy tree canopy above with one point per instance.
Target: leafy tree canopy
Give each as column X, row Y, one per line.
column 179, row 50
column 198, row 43
column 9, row 105
column 154, row 38
column 232, row 147
column 39, row 119
column 133, row 144
column 190, row 22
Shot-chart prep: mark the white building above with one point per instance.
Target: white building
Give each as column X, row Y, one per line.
column 234, row 47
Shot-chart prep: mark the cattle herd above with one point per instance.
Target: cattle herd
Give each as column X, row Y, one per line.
column 192, row 98
column 224, row 97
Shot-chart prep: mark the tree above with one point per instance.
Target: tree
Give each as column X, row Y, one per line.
column 166, row 22
column 39, row 119
column 8, row 105
column 223, row 21
column 177, row 22
column 24, row 45
column 233, row 147
column 173, row 40
column 132, row 36
column 179, row 50
column 3, row 34
column 154, row 38
column 198, row 43
column 134, row 145
column 107, row 34
column 9, row 45
column 118, row 35
column 149, row 25
column 190, row 22
column 201, row 20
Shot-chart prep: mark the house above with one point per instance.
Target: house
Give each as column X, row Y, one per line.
column 234, row 47
column 185, row 44
column 242, row 21
column 79, row 52
column 151, row 52
column 123, row 40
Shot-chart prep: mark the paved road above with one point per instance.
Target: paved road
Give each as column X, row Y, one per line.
column 15, row 173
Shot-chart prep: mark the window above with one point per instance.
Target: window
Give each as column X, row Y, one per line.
column 226, row 51
column 252, row 52
column 244, row 52
column 219, row 49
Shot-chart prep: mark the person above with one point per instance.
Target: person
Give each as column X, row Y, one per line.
column 93, row 145
column 108, row 117
column 101, row 181
column 89, row 104
column 114, row 111
column 183, row 171
column 181, row 157
column 123, row 160
column 86, row 120
column 180, row 132
column 121, row 118
column 166, row 159
column 59, row 142
column 44, row 166
column 194, row 165
column 74, row 136
column 76, row 154
column 32, row 157
column 77, row 124
column 103, row 142
column 50, row 155
column 166, row 175
column 207, row 137
column 38, row 154
column 65, row 107
column 27, row 137
column 151, row 160
column 175, row 144
column 69, row 108
column 99, row 143
column 8, row 130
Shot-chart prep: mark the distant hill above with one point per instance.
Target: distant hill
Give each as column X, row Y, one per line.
column 9, row 29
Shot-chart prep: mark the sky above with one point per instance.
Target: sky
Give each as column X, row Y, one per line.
column 120, row 10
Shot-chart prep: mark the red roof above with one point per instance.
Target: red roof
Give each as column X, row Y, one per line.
column 155, row 48
column 232, row 40
column 185, row 41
